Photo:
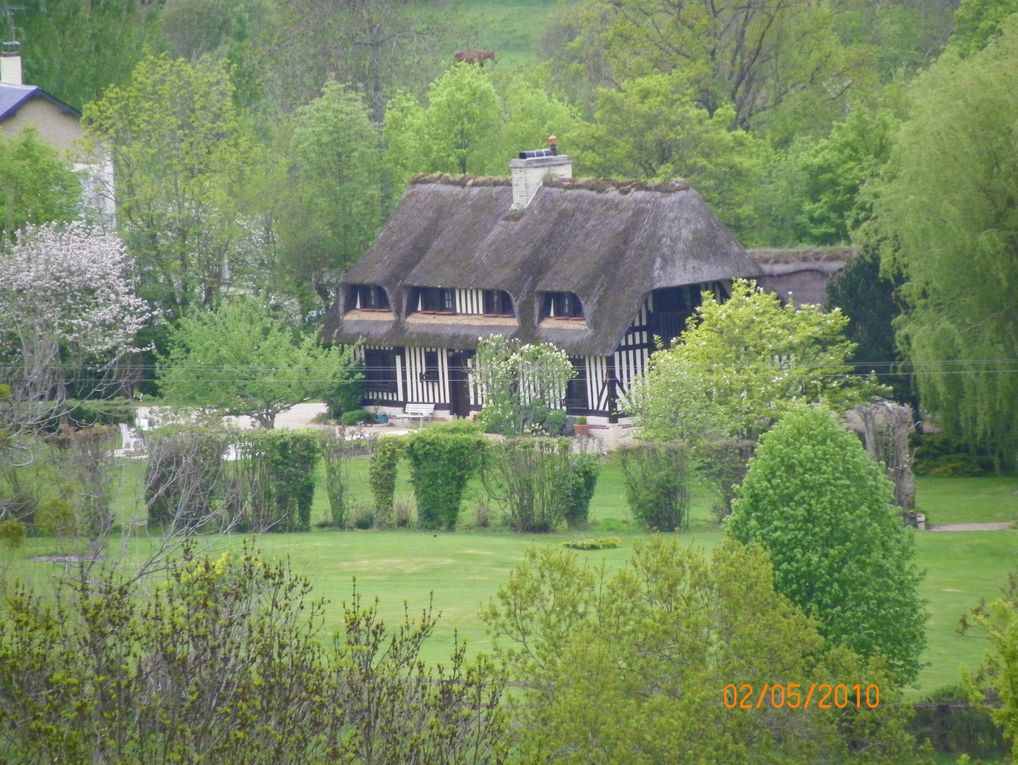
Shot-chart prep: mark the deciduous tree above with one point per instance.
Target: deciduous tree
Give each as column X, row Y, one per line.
column 631, row 667
column 35, row 185
column 649, row 127
column 753, row 55
column 178, row 152
column 67, row 305
column 742, row 362
column 335, row 179
column 239, row 360
column 824, row 512
column 947, row 223
column 75, row 49
column 453, row 133
column 997, row 678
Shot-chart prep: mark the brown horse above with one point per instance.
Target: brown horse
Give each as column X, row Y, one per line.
column 474, row 56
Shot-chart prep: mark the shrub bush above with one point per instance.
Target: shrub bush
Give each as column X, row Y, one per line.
column 583, row 472
column 184, row 476
column 937, row 454
column 346, row 397
column 951, row 723
column 279, row 482
column 86, row 473
column 823, row 510
column 442, row 460
column 539, row 482
column 656, row 484
column 601, row 543
column 55, row 518
column 382, row 467
column 336, row 454
column 12, row 533
column 225, row 661
column 356, row 417
column 363, row 517
column 20, row 495
column 469, row 427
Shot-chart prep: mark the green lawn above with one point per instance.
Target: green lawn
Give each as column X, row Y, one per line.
column 463, row 570
column 968, row 500
column 961, row 567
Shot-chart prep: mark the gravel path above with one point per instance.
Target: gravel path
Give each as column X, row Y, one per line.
column 971, row 527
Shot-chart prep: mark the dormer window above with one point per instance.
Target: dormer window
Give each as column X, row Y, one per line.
column 369, row 297
column 497, row 303
column 561, row 305
column 434, row 300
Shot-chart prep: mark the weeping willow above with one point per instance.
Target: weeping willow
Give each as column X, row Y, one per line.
column 946, row 216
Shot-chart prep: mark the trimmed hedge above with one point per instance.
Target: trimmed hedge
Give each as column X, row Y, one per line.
column 442, row 460
column 382, row 467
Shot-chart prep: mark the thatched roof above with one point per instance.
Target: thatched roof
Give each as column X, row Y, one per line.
column 610, row 242
column 800, row 275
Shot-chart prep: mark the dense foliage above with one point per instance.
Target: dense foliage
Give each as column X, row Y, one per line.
column 384, row 461
column 823, row 511
column 947, row 222
column 540, row 482
column 520, row 381
column 657, row 484
column 441, row 462
column 240, row 360
column 334, row 208
column 223, row 662
column 629, row 667
column 867, row 298
column 277, row 480
column 35, row 185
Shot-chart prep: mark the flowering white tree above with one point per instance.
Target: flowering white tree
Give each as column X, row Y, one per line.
column 516, row 379
column 67, row 303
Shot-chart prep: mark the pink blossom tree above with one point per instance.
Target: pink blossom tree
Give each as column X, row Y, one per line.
column 67, row 305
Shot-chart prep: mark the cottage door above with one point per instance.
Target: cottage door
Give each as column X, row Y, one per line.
column 459, row 382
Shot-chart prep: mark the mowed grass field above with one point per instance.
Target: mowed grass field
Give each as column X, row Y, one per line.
column 459, row 572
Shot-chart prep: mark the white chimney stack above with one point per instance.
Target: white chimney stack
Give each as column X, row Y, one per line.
column 531, row 168
column 10, row 64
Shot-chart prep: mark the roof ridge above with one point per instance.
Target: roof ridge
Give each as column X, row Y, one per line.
column 597, row 185
column 448, row 179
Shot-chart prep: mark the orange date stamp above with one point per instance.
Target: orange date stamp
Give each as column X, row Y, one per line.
column 801, row 696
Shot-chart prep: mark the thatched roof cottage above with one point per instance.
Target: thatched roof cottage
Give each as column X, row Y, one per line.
column 595, row 267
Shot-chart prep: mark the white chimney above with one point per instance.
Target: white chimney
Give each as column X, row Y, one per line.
column 10, row 64
column 531, row 168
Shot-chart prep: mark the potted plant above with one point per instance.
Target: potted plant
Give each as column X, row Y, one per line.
column 581, row 428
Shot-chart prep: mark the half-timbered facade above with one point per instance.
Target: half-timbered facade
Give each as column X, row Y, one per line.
column 599, row 268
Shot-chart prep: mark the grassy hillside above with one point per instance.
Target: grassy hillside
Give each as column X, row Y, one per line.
column 511, row 29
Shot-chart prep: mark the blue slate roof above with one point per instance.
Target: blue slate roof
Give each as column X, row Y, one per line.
column 13, row 97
